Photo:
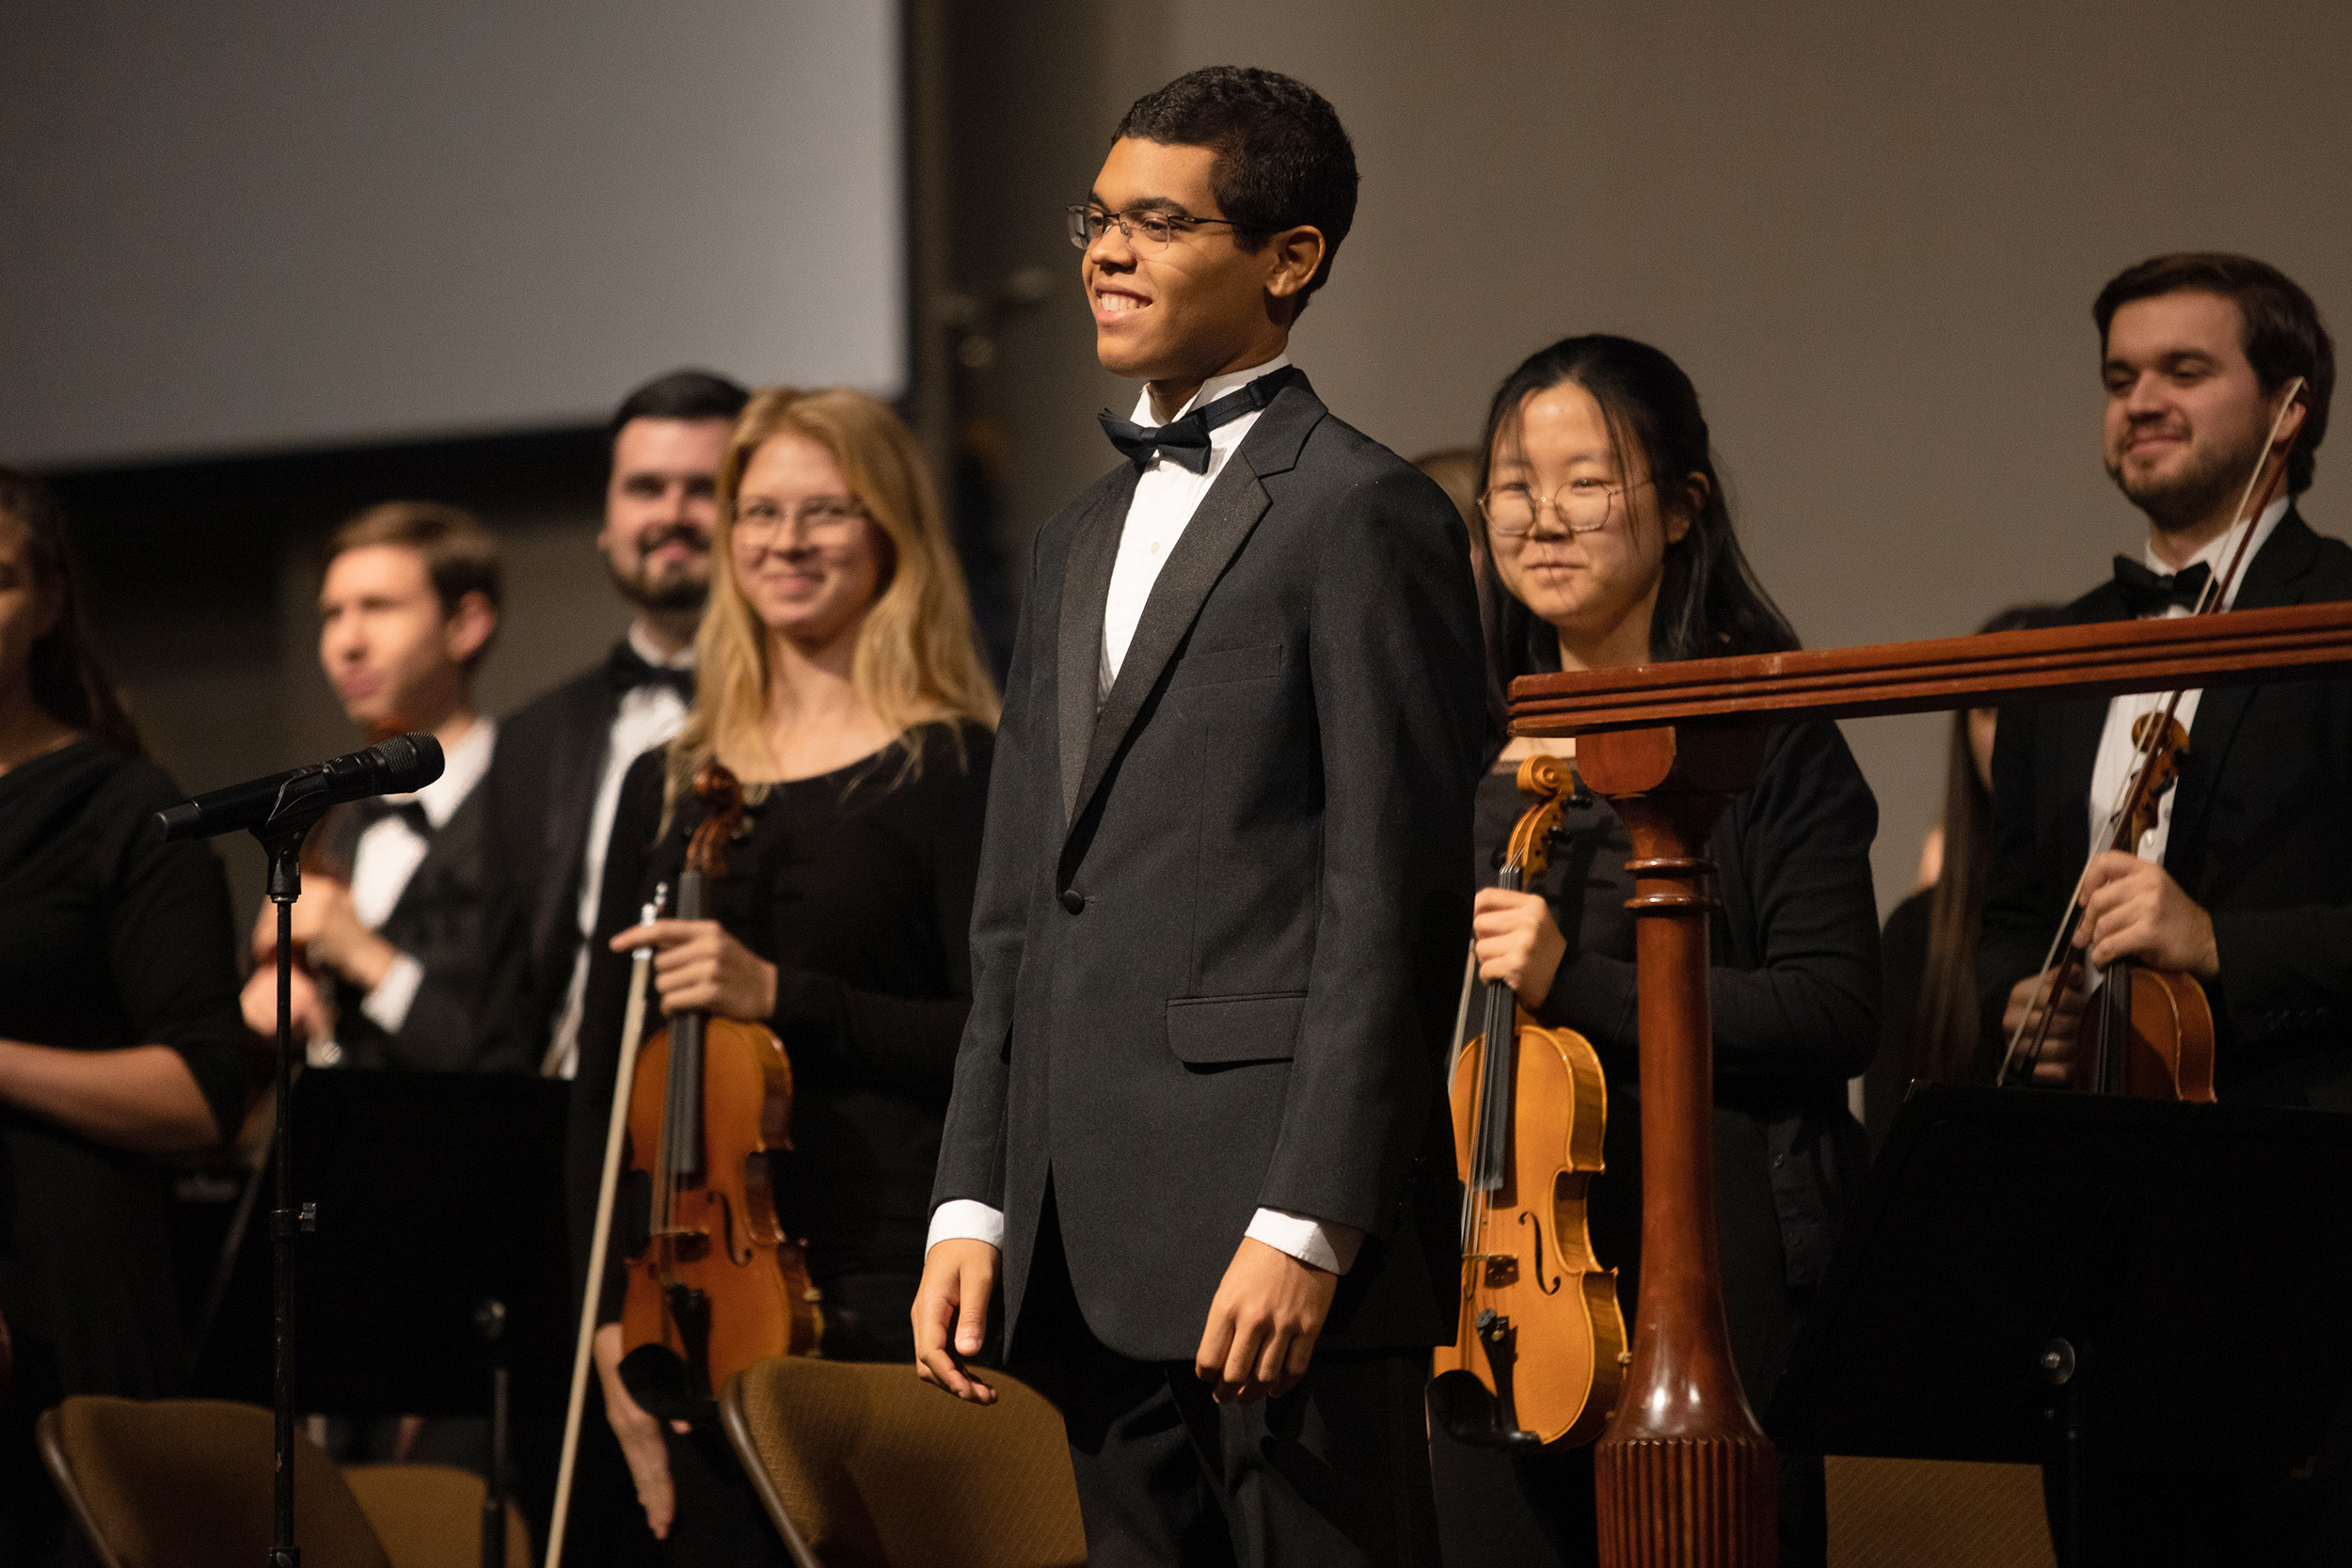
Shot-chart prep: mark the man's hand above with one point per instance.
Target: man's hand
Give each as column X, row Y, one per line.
column 2056, row 1065
column 328, row 931
column 1519, row 943
column 1262, row 1323
column 958, row 1275
column 640, row 1434
column 698, row 967
column 2132, row 909
column 259, row 1003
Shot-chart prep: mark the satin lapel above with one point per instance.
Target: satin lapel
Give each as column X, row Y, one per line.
column 2274, row 577
column 1227, row 513
column 1085, row 584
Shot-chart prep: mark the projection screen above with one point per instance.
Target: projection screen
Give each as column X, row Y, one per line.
column 251, row 225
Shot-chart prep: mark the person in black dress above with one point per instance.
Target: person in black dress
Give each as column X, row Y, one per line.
column 841, row 684
column 1927, row 1025
column 1608, row 544
column 120, row 1037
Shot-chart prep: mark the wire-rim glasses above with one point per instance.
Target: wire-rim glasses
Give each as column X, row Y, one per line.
column 825, row 519
column 1583, row 505
column 1143, row 227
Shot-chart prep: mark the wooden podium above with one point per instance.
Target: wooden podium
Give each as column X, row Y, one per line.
column 1684, row 1473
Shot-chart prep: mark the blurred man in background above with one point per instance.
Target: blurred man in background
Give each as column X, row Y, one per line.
column 562, row 759
column 411, row 948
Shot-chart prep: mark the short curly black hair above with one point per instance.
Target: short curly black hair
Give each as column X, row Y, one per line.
column 1283, row 160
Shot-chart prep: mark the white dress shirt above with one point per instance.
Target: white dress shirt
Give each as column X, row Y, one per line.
column 387, row 856
column 2110, row 775
column 649, row 715
column 1166, row 494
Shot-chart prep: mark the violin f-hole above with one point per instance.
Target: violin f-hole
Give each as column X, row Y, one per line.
column 1528, row 1217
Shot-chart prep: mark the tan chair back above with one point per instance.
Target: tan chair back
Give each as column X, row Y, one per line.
column 863, row 1466
column 430, row 1515
column 1933, row 1514
column 185, row 1483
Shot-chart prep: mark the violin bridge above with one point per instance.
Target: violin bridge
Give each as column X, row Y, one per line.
column 1503, row 1268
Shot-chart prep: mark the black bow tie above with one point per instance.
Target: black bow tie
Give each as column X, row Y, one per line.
column 629, row 669
column 1186, row 441
column 377, row 808
column 2150, row 593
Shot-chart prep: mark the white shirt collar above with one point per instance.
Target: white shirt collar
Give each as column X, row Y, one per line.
column 682, row 660
column 2215, row 555
column 462, row 766
column 1210, row 390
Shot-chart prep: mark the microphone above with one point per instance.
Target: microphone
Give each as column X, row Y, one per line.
column 394, row 766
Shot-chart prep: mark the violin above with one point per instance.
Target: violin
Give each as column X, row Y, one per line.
column 1538, row 1355
column 2149, row 1035
column 714, row 1284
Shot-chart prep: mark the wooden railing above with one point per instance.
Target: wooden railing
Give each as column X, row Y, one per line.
column 1684, row 1473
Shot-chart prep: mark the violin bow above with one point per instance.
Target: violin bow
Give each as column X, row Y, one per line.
column 616, row 1132
column 2211, row 601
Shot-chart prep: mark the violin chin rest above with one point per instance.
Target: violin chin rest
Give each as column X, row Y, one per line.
column 1468, row 1411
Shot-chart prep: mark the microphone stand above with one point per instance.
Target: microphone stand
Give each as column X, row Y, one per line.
column 282, row 840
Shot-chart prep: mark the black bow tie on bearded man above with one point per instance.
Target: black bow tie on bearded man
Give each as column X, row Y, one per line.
column 2150, row 593
column 629, row 669
column 1186, row 441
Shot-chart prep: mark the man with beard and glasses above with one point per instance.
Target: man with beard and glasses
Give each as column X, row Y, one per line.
column 2245, row 879
column 561, row 758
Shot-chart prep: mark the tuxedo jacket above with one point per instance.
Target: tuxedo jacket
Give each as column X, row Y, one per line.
column 458, row 918
column 543, row 788
column 2261, row 839
column 1220, row 923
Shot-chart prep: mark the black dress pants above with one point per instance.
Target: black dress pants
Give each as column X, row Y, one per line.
column 1335, row 1472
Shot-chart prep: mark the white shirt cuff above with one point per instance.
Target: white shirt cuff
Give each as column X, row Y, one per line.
column 1325, row 1245
column 966, row 1219
column 386, row 1004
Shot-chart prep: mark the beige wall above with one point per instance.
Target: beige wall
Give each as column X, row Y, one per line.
column 1871, row 233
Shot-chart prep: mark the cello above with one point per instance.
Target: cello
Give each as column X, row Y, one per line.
column 1539, row 1351
column 713, row 1282
column 2149, row 1035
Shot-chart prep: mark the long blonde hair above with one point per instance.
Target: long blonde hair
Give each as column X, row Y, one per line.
column 916, row 660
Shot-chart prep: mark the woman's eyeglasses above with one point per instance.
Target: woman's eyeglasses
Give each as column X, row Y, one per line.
column 1583, row 506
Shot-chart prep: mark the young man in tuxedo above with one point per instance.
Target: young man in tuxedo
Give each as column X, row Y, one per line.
column 1197, row 1134
column 412, row 945
column 561, row 758
column 2244, row 881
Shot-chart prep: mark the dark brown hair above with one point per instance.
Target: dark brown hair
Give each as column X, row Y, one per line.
column 2280, row 329
column 461, row 557
column 1944, row 1030
column 69, row 681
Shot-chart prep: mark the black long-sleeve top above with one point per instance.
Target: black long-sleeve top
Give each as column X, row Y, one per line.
column 857, row 884
column 109, row 938
column 1796, row 990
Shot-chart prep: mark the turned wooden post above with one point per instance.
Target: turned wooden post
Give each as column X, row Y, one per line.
column 1684, row 1474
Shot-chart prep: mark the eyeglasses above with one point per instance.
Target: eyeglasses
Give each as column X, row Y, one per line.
column 1147, row 231
column 1583, row 506
column 824, row 518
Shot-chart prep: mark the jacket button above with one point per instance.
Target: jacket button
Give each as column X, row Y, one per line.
column 1072, row 900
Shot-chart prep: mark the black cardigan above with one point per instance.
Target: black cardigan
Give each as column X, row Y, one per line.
column 1796, row 996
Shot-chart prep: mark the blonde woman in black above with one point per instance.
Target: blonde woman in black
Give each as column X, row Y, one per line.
column 839, row 680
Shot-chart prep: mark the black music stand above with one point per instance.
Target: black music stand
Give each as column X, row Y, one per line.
column 437, row 1278
column 2079, row 1282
